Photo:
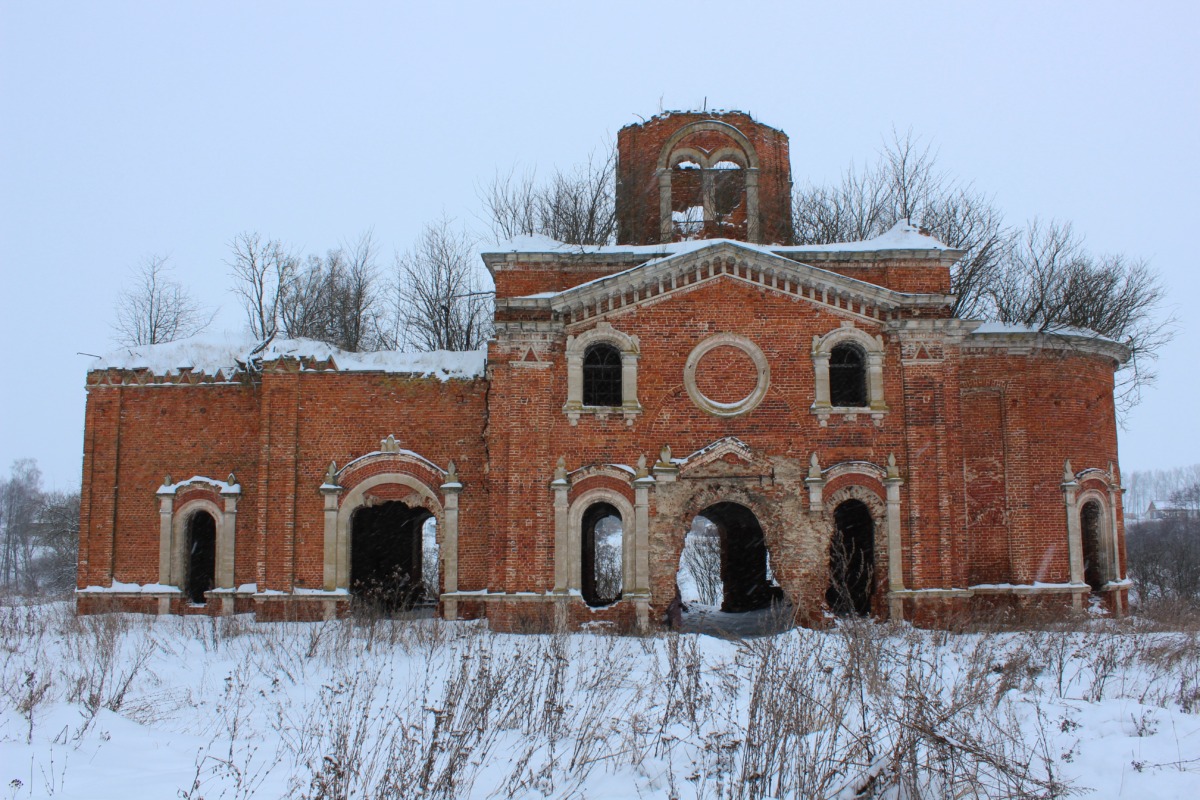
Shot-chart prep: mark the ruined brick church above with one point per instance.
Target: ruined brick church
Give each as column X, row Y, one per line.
column 858, row 449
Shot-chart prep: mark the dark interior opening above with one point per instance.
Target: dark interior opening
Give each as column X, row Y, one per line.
column 847, row 377
column 745, row 575
column 602, row 376
column 386, row 556
column 602, row 555
column 1094, row 567
column 729, row 190
column 851, row 559
column 202, row 555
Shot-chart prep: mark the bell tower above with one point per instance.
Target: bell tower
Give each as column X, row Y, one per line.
column 711, row 175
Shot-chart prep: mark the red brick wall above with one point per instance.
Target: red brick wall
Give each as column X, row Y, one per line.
column 639, row 147
column 278, row 437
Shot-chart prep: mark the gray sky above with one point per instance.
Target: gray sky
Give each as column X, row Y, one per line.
column 128, row 129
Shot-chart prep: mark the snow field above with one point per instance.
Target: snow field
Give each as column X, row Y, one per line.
column 126, row 706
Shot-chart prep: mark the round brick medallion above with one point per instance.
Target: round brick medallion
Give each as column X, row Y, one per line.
column 726, row 375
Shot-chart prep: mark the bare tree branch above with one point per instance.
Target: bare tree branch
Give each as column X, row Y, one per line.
column 576, row 207
column 156, row 309
column 262, row 271
column 440, row 300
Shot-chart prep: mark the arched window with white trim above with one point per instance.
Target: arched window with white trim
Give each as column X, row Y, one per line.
column 848, row 373
column 602, row 374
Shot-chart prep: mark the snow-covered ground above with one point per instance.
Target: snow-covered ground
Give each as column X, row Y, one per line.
column 124, row 706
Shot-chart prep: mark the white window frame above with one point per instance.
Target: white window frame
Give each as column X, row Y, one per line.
column 577, row 346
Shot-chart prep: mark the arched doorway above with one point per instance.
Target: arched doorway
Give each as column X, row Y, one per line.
column 729, row 533
column 851, row 559
column 601, row 562
column 387, row 554
column 1095, row 565
column 201, row 555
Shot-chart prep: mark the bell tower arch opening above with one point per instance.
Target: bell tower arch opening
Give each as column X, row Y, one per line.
column 703, row 175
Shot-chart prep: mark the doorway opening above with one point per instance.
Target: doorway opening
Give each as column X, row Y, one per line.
column 387, row 556
column 851, row 560
column 201, row 556
column 725, row 560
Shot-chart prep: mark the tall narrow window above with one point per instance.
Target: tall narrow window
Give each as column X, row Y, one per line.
column 847, row 377
column 201, row 555
column 1095, row 566
column 602, row 376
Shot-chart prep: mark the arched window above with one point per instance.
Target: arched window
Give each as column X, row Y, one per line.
column 603, row 555
column 602, row 375
column 847, row 376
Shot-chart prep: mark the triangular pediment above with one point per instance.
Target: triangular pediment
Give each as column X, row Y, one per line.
column 728, row 260
column 725, row 457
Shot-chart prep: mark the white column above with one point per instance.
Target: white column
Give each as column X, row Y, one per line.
column 895, row 545
column 1070, row 488
column 874, row 380
column 641, row 550
column 330, row 577
column 821, row 380
column 562, row 574
column 450, row 492
column 753, row 228
column 228, row 551
column 166, row 505
column 666, row 229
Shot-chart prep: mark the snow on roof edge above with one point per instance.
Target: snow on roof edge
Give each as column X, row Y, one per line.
column 901, row 236
column 209, row 355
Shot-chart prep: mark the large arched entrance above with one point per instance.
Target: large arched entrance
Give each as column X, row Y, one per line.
column 387, row 554
column 725, row 559
column 201, row 555
column 851, row 559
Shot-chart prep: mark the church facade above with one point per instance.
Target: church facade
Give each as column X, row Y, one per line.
column 858, row 448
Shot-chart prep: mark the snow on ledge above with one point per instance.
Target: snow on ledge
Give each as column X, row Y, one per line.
column 222, row 487
column 208, row 354
column 130, row 588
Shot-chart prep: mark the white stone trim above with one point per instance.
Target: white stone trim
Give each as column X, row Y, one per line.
column 569, row 560
column 747, row 403
column 337, row 540
column 172, row 531
column 629, row 347
column 1108, row 542
column 873, row 351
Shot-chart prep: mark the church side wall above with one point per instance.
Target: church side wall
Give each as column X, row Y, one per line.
column 134, row 436
column 1024, row 415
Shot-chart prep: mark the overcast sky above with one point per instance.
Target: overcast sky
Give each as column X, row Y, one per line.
column 131, row 129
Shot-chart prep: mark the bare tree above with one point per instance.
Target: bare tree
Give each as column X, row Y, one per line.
column 576, row 207
column 56, row 531
column 156, row 309
column 1051, row 282
column 262, row 270
column 20, row 499
column 335, row 298
column 701, row 559
column 440, row 300
column 905, row 183
column 1041, row 276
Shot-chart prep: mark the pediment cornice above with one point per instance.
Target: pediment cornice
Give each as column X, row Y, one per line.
column 726, row 260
